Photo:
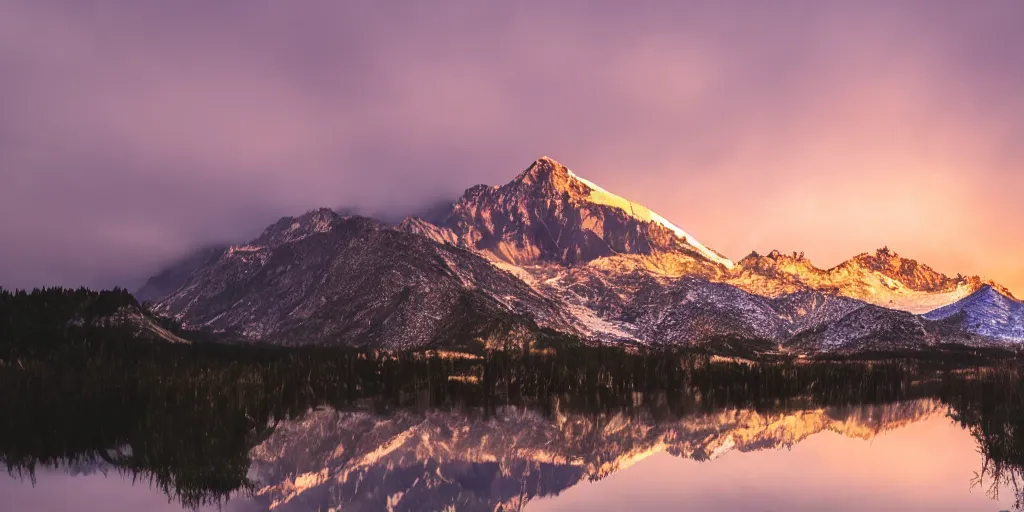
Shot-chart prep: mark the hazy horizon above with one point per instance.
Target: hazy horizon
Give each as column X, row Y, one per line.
column 131, row 134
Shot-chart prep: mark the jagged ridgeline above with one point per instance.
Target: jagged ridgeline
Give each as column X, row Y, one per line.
column 208, row 421
column 552, row 252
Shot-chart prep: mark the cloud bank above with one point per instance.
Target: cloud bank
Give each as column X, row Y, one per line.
column 132, row 133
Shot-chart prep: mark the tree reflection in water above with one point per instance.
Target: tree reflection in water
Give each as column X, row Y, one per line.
column 205, row 423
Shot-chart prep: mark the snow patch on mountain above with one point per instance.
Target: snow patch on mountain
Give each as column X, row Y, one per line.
column 917, row 302
column 594, row 325
column 601, row 196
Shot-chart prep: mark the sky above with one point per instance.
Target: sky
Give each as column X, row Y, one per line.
column 134, row 132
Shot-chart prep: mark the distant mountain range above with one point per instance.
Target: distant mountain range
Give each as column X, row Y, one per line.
column 550, row 252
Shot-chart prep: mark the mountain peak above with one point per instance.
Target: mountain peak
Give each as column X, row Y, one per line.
column 548, row 213
column 886, row 254
column 288, row 229
column 546, row 171
column 547, row 160
column 882, row 256
column 992, row 291
column 778, row 257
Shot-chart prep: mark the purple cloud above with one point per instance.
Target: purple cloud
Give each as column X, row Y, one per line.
column 131, row 133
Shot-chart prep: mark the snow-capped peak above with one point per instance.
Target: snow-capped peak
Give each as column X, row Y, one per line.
column 598, row 195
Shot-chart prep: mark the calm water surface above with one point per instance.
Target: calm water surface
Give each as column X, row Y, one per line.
column 156, row 428
column 907, row 456
column 928, row 465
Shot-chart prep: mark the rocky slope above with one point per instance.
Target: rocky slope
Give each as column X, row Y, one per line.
column 884, row 279
column 876, row 329
column 323, row 278
column 640, row 308
column 548, row 249
column 612, row 304
column 987, row 312
column 548, row 214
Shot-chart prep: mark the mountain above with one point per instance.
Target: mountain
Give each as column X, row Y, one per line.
column 987, row 312
column 322, row 278
column 876, row 329
column 637, row 305
column 884, row 279
column 549, row 251
column 548, row 214
column 643, row 309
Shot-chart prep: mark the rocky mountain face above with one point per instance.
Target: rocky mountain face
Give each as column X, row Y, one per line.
column 876, row 329
column 884, row 279
column 438, row 460
column 548, row 214
column 691, row 310
column 636, row 307
column 549, row 250
column 987, row 312
column 326, row 279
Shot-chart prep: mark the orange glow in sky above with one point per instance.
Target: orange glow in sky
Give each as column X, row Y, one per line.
column 832, row 128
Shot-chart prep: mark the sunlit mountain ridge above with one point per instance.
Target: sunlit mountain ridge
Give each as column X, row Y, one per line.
column 552, row 250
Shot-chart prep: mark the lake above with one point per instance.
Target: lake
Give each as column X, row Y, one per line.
column 899, row 457
column 298, row 431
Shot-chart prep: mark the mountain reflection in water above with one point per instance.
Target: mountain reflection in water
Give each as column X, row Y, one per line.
column 353, row 432
column 434, row 460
